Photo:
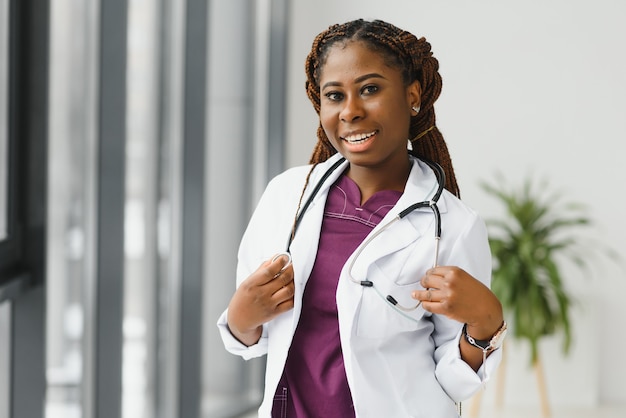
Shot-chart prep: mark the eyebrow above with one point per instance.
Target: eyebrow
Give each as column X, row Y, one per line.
column 356, row 80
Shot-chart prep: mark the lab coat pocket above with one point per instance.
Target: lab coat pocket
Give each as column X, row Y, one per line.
column 377, row 317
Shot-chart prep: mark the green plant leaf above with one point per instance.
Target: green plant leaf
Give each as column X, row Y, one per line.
column 537, row 233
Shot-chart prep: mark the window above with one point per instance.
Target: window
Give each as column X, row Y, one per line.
column 177, row 114
column 71, row 209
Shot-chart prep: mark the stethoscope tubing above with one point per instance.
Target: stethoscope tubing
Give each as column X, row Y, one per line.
column 310, row 199
column 432, row 204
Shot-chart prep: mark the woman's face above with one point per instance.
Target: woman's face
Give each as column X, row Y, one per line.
column 366, row 107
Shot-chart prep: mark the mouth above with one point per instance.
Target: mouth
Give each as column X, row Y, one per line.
column 358, row 138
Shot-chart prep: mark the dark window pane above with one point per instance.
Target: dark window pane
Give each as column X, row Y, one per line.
column 4, row 125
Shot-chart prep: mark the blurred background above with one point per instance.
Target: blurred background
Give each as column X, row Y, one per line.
column 137, row 135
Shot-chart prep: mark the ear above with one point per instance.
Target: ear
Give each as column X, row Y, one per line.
column 414, row 94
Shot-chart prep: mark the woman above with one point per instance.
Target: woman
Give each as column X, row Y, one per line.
column 339, row 325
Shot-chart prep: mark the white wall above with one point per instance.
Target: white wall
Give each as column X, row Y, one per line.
column 532, row 87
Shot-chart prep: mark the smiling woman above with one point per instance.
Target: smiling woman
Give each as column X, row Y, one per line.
column 365, row 109
column 361, row 318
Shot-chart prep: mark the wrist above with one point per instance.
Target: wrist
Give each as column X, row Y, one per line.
column 486, row 344
column 484, row 331
column 247, row 338
column 486, row 323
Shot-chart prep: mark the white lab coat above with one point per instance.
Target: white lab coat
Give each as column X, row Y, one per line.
column 397, row 365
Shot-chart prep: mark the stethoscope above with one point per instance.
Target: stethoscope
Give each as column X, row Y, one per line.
column 431, row 203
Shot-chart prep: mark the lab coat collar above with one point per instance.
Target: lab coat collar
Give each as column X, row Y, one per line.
column 421, row 186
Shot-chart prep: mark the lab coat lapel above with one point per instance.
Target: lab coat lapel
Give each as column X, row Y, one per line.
column 395, row 237
column 304, row 246
column 421, row 185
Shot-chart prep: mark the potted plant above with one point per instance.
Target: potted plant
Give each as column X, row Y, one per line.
column 529, row 244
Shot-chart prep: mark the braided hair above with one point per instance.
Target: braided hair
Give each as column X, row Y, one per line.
column 402, row 50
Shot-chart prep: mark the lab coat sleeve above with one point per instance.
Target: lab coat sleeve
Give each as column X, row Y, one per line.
column 234, row 346
column 261, row 240
column 249, row 258
column 471, row 253
column 457, row 378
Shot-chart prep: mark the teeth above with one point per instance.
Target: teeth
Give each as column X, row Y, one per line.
column 359, row 137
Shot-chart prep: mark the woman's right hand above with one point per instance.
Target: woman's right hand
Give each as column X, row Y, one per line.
column 264, row 295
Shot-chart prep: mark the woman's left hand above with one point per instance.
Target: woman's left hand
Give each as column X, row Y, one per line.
column 453, row 292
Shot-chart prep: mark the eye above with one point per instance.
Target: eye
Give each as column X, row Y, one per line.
column 369, row 89
column 334, row 96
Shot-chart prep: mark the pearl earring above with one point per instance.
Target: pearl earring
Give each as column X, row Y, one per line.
column 416, row 109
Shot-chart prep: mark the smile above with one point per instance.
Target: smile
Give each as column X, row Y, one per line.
column 356, row 138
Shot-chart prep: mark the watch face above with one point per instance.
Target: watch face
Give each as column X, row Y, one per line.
column 498, row 339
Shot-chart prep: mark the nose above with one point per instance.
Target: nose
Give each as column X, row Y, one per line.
column 352, row 110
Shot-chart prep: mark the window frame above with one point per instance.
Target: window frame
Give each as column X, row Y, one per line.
column 22, row 250
column 4, row 116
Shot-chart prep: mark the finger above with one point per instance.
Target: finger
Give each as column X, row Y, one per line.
column 422, row 295
column 431, row 281
column 438, row 271
column 449, row 272
column 282, row 279
column 434, row 307
column 286, row 261
column 285, row 306
column 428, row 295
column 271, row 269
column 283, row 299
column 431, row 300
column 283, row 293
